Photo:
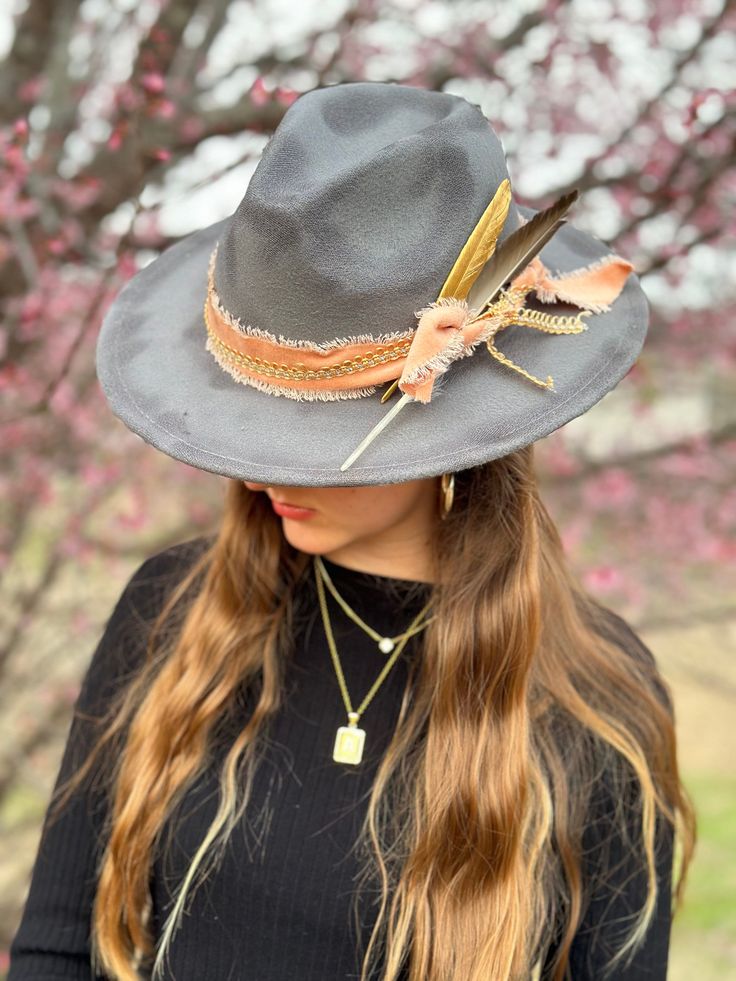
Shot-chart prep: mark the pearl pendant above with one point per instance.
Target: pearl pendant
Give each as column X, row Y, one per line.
column 386, row 645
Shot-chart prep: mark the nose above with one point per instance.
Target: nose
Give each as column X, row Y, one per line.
column 253, row 486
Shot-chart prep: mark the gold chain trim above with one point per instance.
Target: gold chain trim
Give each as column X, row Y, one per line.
column 551, row 323
column 300, row 372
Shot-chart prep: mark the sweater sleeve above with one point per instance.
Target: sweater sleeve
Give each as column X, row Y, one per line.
column 53, row 939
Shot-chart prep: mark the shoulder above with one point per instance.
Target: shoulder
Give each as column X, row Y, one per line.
column 152, row 580
column 122, row 646
column 638, row 659
column 615, row 628
column 169, row 563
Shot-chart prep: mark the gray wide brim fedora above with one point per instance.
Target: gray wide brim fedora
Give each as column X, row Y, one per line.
column 361, row 202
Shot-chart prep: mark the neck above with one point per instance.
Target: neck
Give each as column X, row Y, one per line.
column 393, row 560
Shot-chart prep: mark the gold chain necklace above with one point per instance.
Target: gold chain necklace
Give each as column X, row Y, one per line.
column 385, row 644
column 350, row 740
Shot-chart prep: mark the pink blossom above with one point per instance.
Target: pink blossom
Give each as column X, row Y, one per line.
column 127, row 97
column 31, row 89
column 15, row 157
column 603, row 579
column 127, row 265
column 689, row 466
column 163, row 109
column 710, row 548
column 259, row 94
column 32, row 306
column 614, row 488
column 153, row 83
column 93, row 475
column 285, row 96
column 56, row 246
column 19, row 208
column 79, row 193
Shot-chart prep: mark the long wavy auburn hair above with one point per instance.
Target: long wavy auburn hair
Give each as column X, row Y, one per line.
column 519, row 704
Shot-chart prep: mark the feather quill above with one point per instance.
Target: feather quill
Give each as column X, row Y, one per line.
column 480, row 246
column 517, row 252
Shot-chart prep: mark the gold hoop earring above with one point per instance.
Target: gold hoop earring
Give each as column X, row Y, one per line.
column 447, row 496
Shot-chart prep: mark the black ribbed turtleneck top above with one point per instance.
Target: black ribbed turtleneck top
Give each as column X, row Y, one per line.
column 279, row 907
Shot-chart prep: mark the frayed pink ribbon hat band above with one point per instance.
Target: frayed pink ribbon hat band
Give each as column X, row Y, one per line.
column 446, row 330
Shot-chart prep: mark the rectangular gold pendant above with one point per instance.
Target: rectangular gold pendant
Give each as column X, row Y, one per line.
column 349, row 744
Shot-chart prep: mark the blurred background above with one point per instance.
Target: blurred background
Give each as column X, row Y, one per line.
column 129, row 123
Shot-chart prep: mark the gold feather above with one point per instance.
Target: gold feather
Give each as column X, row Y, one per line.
column 517, row 252
column 480, row 246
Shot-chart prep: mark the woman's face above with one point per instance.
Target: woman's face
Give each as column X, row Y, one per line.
column 385, row 529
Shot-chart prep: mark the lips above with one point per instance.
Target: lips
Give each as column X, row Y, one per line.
column 292, row 510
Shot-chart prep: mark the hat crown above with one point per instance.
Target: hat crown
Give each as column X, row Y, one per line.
column 357, row 210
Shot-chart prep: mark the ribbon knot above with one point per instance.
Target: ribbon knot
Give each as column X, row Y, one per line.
column 447, row 330
column 438, row 341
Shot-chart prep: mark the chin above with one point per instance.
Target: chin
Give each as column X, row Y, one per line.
column 310, row 540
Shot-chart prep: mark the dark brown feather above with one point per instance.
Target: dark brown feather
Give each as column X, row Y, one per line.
column 517, row 252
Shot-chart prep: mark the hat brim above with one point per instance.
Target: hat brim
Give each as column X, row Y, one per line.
column 160, row 380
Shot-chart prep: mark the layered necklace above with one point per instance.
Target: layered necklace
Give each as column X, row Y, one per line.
column 350, row 739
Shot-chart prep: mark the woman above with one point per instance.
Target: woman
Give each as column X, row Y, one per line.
column 373, row 728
